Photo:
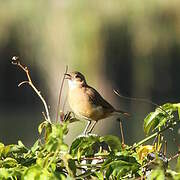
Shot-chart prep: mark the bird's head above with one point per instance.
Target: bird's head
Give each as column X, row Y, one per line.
column 75, row 79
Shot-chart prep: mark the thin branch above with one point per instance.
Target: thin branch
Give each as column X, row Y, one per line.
column 122, row 134
column 94, row 158
column 140, row 100
column 174, row 157
column 134, row 98
column 44, row 115
column 60, row 92
column 24, row 82
column 84, row 175
column 15, row 61
column 154, row 135
column 165, row 148
column 64, row 104
column 90, row 165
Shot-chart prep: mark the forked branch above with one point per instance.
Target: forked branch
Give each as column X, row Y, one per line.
column 15, row 61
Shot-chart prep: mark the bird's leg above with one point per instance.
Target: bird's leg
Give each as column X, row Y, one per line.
column 92, row 127
column 87, row 126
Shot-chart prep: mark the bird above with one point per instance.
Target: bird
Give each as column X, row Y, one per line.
column 86, row 102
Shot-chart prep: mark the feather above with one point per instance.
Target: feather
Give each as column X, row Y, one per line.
column 98, row 100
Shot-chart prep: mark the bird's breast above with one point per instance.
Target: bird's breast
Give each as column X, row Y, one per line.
column 81, row 105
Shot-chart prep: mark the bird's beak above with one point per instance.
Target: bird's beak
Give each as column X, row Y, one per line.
column 67, row 76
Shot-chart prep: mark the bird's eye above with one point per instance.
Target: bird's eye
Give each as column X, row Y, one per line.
column 76, row 76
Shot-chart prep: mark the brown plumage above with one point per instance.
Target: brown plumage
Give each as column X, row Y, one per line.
column 86, row 102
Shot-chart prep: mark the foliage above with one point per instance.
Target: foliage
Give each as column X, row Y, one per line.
column 91, row 156
column 161, row 117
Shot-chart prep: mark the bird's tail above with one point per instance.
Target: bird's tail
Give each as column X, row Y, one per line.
column 122, row 112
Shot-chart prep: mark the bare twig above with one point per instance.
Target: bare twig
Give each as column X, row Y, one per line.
column 140, row 100
column 94, row 158
column 64, row 104
column 178, row 153
column 165, row 148
column 122, row 134
column 60, row 92
column 15, row 61
column 174, row 157
column 44, row 115
column 134, row 98
column 24, row 82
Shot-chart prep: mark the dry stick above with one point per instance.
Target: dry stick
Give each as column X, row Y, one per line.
column 146, row 101
column 64, row 104
column 174, row 157
column 165, row 148
column 93, row 158
column 178, row 153
column 15, row 61
column 122, row 134
column 60, row 92
column 140, row 100
column 177, row 144
column 134, row 99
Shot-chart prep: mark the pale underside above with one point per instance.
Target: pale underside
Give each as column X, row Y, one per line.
column 86, row 102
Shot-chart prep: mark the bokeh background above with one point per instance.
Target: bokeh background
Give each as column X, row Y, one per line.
column 131, row 46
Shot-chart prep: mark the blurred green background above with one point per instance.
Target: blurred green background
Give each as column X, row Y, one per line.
column 132, row 46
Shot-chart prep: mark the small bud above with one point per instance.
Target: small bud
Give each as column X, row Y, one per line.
column 15, row 58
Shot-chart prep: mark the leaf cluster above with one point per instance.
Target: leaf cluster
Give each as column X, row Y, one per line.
column 90, row 156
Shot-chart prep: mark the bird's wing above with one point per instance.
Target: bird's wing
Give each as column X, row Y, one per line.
column 97, row 99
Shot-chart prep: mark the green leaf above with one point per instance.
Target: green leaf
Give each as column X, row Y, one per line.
column 99, row 175
column 4, row 174
column 41, row 126
column 45, row 125
column 9, row 162
column 20, row 144
column 38, row 173
column 85, row 145
column 179, row 113
column 13, row 148
column 69, row 164
column 120, row 167
column 170, row 174
column 79, row 153
column 177, row 105
column 157, row 174
column 11, row 173
column 35, row 147
column 113, row 142
column 55, row 138
column 160, row 117
column 1, row 148
column 150, row 122
column 178, row 164
column 75, row 145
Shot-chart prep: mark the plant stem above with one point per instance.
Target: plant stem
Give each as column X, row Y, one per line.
column 84, row 175
column 42, row 99
column 90, row 165
column 60, row 92
column 146, row 139
column 15, row 61
column 154, row 135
